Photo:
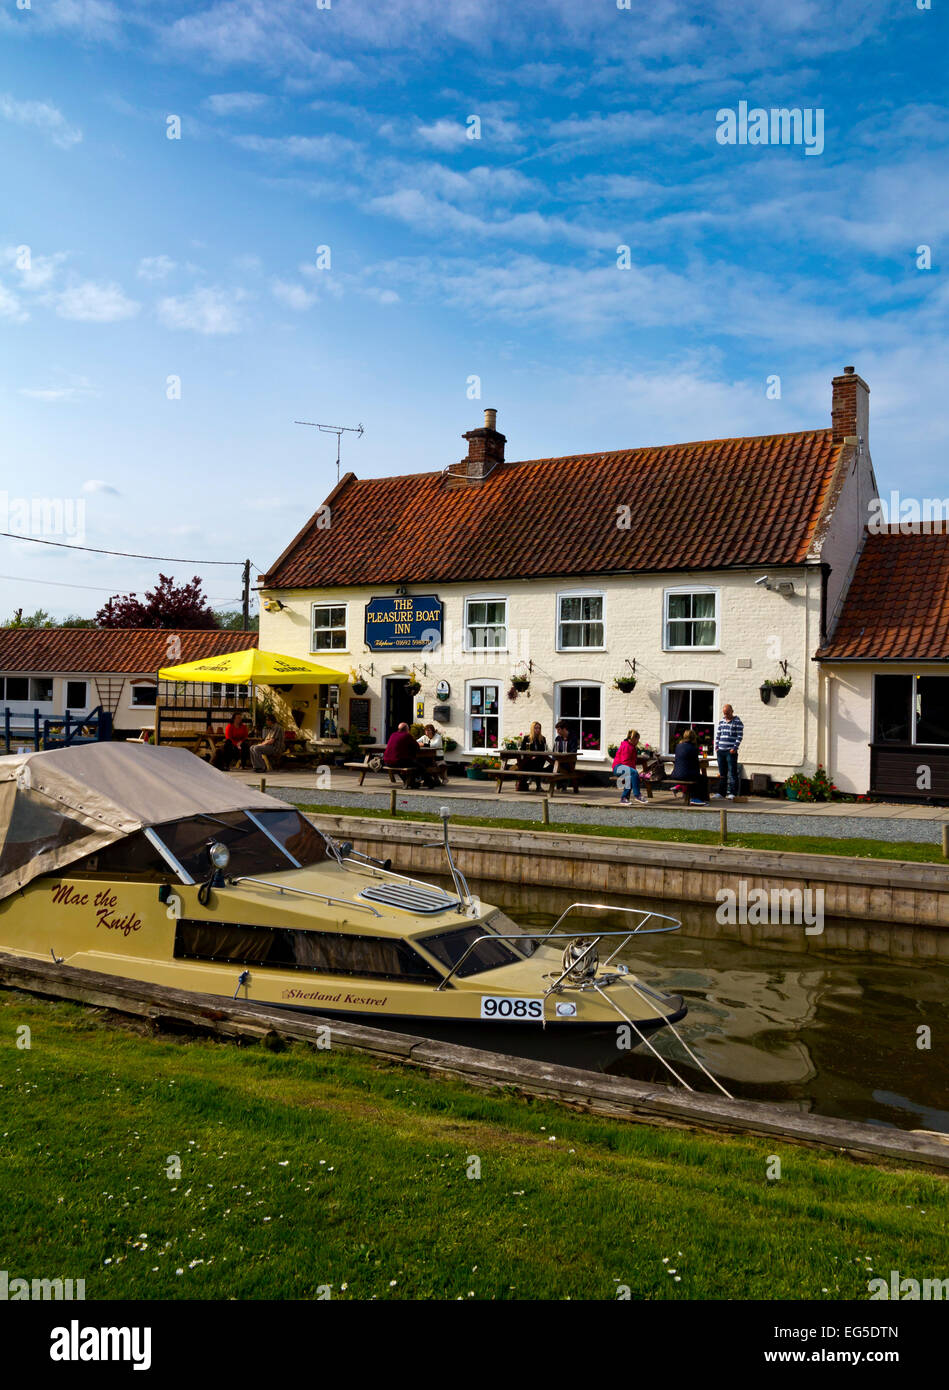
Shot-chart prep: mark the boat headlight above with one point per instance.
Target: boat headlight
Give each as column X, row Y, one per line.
column 219, row 855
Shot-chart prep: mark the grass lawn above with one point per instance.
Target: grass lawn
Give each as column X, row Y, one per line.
column 304, row 1169
column 907, row 851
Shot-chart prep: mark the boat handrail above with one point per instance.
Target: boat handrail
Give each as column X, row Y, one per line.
column 644, row 912
column 393, row 873
column 560, row 936
column 305, row 893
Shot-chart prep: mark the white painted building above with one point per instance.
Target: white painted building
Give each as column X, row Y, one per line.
column 709, row 567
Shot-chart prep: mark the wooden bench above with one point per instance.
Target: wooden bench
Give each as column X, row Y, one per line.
column 553, row 779
column 404, row 772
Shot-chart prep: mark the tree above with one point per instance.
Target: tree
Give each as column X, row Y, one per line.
column 38, row 619
column 232, row 620
column 167, row 605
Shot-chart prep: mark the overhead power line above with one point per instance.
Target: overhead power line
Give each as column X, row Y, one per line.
column 125, row 554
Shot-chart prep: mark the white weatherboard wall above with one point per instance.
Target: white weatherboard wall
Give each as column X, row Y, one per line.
column 127, row 717
column 756, row 625
column 848, row 720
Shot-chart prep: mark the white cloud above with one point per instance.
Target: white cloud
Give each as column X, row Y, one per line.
column 10, row 307
column 38, row 272
column 294, row 296
column 314, row 148
column 235, row 103
column 208, row 311
column 97, row 485
column 89, row 302
column 155, row 267
column 41, row 116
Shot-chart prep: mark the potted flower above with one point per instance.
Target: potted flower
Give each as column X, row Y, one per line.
column 780, row 687
column 511, row 742
column 414, row 685
column 798, row 788
column 624, row 683
column 360, row 685
column 479, row 768
column 520, row 682
column 612, row 749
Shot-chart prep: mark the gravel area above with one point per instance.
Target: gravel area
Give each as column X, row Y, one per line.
column 564, row 812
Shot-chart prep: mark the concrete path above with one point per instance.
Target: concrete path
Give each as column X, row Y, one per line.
column 600, row 806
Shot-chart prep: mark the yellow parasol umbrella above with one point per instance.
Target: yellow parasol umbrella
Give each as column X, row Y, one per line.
column 253, row 667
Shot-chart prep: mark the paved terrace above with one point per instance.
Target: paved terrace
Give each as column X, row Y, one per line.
column 600, row 806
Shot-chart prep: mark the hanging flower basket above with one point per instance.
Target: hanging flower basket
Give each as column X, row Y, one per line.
column 625, row 683
column 360, row 687
column 414, row 687
column 520, row 684
column 780, row 688
column 765, row 692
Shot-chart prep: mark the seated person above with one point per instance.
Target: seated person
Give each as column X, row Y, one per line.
column 236, row 746
column 687, row 768
column 271, row 747
column 625, row 770
column 431, row 738
column 535, row 743
column 402, row 751
column 565, row 741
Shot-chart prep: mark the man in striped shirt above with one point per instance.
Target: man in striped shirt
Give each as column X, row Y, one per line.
column 727, row 743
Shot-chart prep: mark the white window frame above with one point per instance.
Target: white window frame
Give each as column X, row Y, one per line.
column 589, row 754
column 16, row 676
column 488, row 598
column 558, row 621
column 35, row 699
column 914, row 677
column 691, row 589
column 329, row 603
column 143, row 685
column 687, row 685
column 469, row 748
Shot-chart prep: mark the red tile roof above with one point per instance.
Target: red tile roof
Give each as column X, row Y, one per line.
column 897, row 606
column 124, row 650
column 705, row 505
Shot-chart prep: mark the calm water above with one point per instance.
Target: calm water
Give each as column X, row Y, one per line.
column 822, row 1030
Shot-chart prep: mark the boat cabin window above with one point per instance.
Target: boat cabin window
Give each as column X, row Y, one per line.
column 325, row 953
column 252, row 849
column 448, row 947
column 133, row 854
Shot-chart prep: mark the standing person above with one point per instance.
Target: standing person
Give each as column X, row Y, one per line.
column 624, row 770
column 271, row 747
column 533, row 742
column 236, row 741
column 728, row 739
column 688, row 768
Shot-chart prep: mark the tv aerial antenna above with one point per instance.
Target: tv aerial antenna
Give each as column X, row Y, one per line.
column 338, row 430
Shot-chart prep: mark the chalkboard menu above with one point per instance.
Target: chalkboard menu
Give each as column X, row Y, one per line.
column 359, row 714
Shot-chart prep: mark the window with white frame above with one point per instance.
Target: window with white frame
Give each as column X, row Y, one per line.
column 328, row 627
column 41, row 689
column 688, row 707
column 17, row 688
column 485, row 624
column 144, row 694
column 482, row 716
column 691, row 619
column 580, row 622
column 911, row 709
column 579, row 705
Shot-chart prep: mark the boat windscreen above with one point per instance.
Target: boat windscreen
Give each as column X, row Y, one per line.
column 448, row 948
column 251, row 848
column 296, row 834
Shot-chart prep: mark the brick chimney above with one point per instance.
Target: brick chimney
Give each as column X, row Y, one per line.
column 485, row 449
column 850, row 408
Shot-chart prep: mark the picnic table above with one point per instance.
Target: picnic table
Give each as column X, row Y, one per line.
column 372, row 762
column 521, row 764
column 660, row 766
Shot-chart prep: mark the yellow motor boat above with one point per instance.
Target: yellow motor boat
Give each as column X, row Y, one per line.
column 147, row 864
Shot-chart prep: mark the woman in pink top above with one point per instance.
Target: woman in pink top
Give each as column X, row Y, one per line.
column 624, row 770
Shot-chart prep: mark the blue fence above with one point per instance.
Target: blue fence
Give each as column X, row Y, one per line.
column 32, row 731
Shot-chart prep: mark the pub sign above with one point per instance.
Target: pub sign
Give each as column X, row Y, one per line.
column 404, row 623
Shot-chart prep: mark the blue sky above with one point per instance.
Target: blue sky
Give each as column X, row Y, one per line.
column 347, row 127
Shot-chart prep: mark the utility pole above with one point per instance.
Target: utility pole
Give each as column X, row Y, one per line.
column 338, row 430
column 245, row 596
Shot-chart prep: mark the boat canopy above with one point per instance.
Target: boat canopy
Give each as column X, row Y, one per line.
column 60, row 805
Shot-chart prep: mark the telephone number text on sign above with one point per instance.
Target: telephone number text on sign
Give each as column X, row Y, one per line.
column 512, row 1010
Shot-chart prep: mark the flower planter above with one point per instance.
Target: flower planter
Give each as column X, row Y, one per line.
column 477, row 774
column 765, row 692
column 625, row 686
column 413, row 687
column 791, row 793
column 780, row 691
column 520, row 686
column 359, row 687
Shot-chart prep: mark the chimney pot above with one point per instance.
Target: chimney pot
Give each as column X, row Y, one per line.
column 490, row 419
column 849, row 371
